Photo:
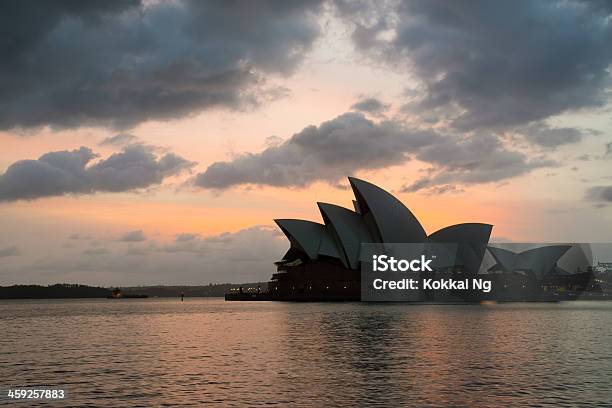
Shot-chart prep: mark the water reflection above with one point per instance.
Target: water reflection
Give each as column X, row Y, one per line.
column 156, row 352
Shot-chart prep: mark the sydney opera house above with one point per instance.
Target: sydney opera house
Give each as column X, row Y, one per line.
column 323, row 261
column 523, row 271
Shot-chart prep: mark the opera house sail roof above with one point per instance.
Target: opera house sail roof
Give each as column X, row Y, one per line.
column 324, row 259
column 379, row 218
column 539, row 261
column 348, row 229
column 471, row 240
column 308, row 237
column 391, row 219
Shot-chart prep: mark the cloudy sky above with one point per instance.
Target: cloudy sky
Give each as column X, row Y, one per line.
column 154, row 142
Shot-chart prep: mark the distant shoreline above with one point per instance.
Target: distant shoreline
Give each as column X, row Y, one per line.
column 78, row 291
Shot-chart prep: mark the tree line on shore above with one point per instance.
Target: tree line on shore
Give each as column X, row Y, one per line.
column 73, row 291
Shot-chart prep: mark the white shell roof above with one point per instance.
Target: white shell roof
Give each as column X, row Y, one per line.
column 311, row 237
column 539, row 260
column 348, row 228
column 472, row 239
column 380, row 218
column 394, row 221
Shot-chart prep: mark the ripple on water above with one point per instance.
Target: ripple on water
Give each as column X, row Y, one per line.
column 166, row 353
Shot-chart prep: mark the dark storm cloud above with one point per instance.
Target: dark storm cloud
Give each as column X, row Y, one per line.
column 478, row 159
column 370, row 105
column 602, row 194
column 546, row 136
column 351, row 142
column 70, row 172
column 9, row 251
column 121, row 139
column 328, row 152
column 495, row 64
column 133, row 236
column 70, row 63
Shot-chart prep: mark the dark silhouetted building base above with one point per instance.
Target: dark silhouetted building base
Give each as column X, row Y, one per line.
column 315, row 281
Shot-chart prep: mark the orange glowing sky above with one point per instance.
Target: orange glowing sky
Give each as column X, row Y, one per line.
column 545, row 204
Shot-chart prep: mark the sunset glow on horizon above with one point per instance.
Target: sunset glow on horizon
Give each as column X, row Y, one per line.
column 336, row 95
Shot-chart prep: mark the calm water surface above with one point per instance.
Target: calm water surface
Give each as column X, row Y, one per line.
column 154, row 352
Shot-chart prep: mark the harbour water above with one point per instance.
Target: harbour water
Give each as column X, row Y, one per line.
column 164, row 352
